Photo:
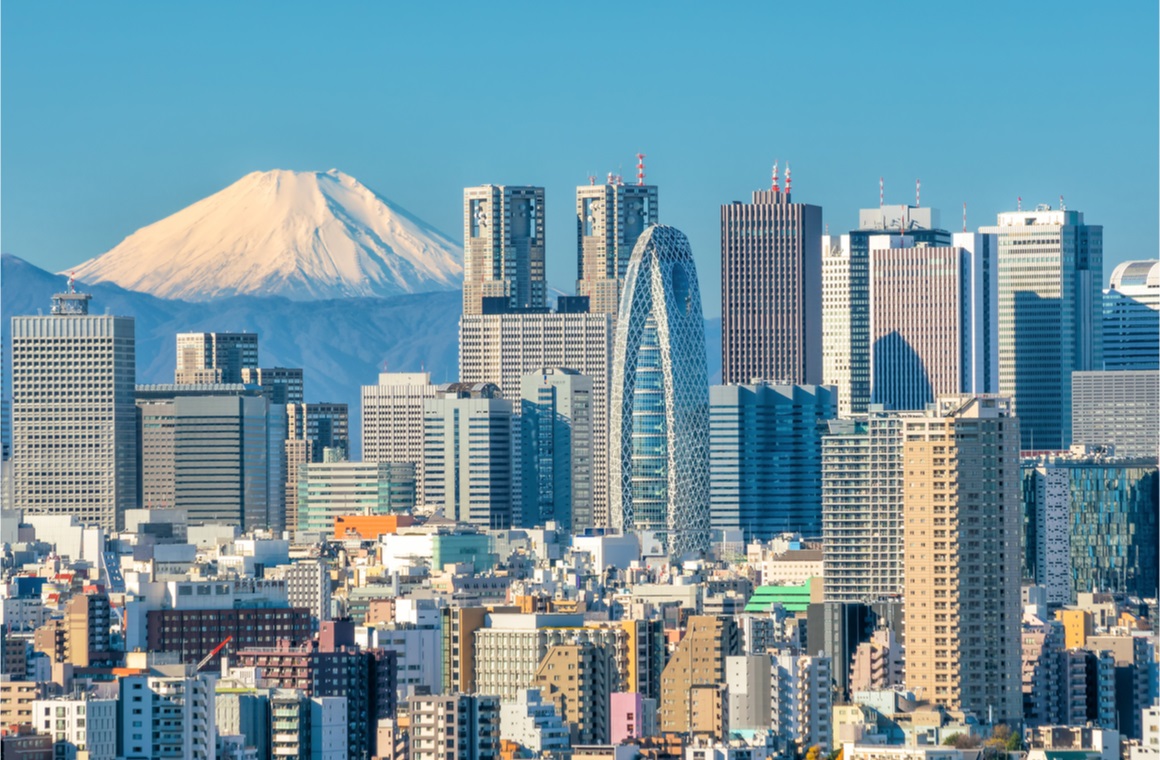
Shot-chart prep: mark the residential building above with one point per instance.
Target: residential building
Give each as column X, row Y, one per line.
column 771, row 289
column 765, row 457
column 579, row 679
column 307, row 586
column 310, row 728
column 532, row 723
column 963, row 530
column 167, row 712
column 748, row 677
column 74, row 431
column 503, row 247
column 1132, row 317
column 699, row 661
column 1117, row 409
column 1091, row 524
column 846, row 295
column 557, row 448
column 328, row 490
column 392, row 420
column 194, row 633
column 214, row 357
column 933, row 318
column 609, row 220
column 801, row 698
column 284, row 383
column 80, row 726
column 470, row 722
column 862, row 525
column 659, row 431
column 471, row 467
column 504, row 346
column 1050, row 311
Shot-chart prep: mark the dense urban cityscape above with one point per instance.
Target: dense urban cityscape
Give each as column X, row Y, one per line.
column 916, row 520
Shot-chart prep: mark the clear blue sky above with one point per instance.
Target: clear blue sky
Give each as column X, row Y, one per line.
column 115, row 115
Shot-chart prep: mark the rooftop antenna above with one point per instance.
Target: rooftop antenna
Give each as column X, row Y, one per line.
column 1061, row 206
column 1019, row 203
column 775, row 187
column 787, row 178
column 591, row 179
column 72, row 277
column 640, row 168
column 918, row 193
column 964, row 216
column 881, row 193
column 611, row 178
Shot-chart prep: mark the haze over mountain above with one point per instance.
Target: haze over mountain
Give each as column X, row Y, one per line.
column 304, row 236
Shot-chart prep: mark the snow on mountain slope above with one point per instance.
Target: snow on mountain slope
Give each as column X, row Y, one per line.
column 300, row 235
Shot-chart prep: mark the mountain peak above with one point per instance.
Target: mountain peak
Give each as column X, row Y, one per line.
column 302, row 235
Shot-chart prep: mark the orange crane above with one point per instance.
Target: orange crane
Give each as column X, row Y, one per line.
column 213, row 653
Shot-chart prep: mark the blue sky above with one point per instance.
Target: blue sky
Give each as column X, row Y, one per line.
column 115, row 115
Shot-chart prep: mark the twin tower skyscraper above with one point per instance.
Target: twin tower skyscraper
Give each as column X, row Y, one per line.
column 638, row 283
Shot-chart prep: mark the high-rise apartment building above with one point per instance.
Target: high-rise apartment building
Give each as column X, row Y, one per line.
column 933, row 317
column 765, row 457
column 454, row 727
column 168, row 713
column 503, row 348
column 556, row 443
column 1091, row 524
column 862, row 531
column 392, row 420
column 285, row 383
column 307, row 727
column 963, row 528
column 81, row 726
column 699, row 661
column 801, row 698
column 579, row 679
column 214, row 357
column 503, row 247
column 1132, row 317
column 215, row 451
column 771, row 290
column 1118, row 409
column 471, row 455
column 1050, row 312
column 609, row 219
column 74, row 425
column 659, row 431
column 846, row 295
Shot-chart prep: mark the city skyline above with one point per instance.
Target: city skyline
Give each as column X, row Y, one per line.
column 118, row 169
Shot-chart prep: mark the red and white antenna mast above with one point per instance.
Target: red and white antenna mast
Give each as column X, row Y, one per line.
column 918, row 193
column 787, row 178
column 640, row 168
column 1019, row 203
column 1061, row 206
column 775, row 187
column 964, row 216
column 881, row 193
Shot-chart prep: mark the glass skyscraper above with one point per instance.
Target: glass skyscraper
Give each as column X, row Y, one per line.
column 659, row 448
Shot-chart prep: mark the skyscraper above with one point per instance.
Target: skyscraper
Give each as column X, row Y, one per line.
column 609, row 219
column 1050, row 311
column 771, row 289
column 846, row 295
column 556, row 441
column 74, row 424
column 285, row 383
column 502, row 348
column 659, row 431
column 933, row 314
column 765, row 457
column 963, row 521
column 1132, row 317
column 503, row 246
column 471, row 452
column 214, row 357
column 1118, row 409
column 392, row 420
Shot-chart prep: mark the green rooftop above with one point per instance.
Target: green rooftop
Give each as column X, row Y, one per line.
column 793, row 598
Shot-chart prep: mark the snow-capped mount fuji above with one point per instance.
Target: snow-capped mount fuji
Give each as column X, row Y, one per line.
column 301, row 235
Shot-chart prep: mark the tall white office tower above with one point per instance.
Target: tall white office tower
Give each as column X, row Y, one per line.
column 609, row 219
column 933, row 319
column 392, row 420
column 502, row 348
column 503, row 247
column 74, row 423
column 471, row 455
column 659, row 432
column 556, row 441
column 1050, row 312
column 846, row 295
column 1132, row 317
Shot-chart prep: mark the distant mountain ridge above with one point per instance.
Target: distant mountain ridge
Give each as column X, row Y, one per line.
column 300, row 235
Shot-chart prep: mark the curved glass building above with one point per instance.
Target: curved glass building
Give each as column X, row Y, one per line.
column 659, row 447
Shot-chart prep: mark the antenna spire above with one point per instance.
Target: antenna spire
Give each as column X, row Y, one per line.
column 881, row 193
column 787, row 179
column 1019, row 203
column 72, row 278
column 1061, row 206
column 640, row 168
column 591, row 179
column 964, row 216
column 918, row 193
column 775, row 187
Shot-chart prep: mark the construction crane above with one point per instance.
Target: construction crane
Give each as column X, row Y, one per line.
column 213, row 653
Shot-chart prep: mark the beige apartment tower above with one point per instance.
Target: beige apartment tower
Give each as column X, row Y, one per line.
column 771, row 290
column 609, row 219
column 503, row 247
column 963, row 523
column 698, row 663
